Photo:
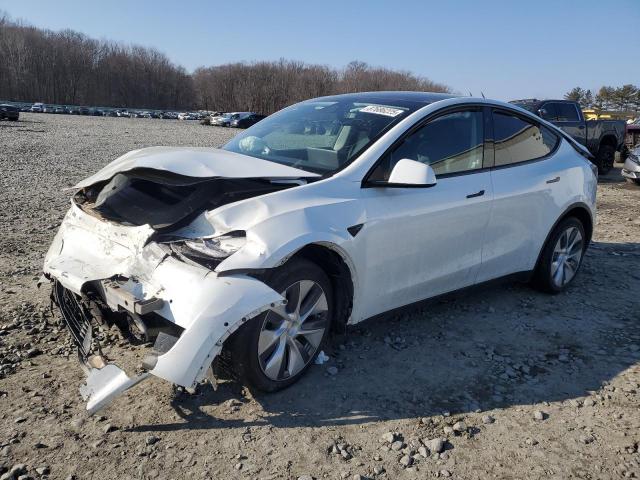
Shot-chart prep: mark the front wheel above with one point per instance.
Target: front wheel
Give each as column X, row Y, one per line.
column 561, row 256
column 274, row 349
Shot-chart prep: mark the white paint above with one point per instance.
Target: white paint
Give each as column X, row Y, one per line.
column 412, row 172
column 195, row 162
column 415, row 242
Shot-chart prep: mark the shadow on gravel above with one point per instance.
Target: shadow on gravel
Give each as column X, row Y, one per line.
column 614, row 176
column 18, row 123
column 493, row 347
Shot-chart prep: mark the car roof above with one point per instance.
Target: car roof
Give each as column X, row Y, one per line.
column 410, row 100
column 417, row 97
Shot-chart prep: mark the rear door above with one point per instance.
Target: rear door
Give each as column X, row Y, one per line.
column 527, row 182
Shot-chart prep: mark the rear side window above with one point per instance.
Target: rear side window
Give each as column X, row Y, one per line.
column 518, row 140
column 567, row 112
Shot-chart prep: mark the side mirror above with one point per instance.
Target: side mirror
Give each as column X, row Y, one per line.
column 410, row 173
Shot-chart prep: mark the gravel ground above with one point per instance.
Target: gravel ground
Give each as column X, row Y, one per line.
column 502, row 382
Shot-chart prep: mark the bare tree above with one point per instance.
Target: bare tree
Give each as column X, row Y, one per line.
column 270, row 86
column 70, row 68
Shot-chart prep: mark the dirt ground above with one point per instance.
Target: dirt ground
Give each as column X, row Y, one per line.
column 501, row 382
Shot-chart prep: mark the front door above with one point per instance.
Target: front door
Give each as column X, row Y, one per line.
column 422, row 242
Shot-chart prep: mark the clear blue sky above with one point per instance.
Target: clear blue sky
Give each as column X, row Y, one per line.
column 506, row 49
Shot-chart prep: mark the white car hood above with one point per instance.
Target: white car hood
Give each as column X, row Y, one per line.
column 195, row 162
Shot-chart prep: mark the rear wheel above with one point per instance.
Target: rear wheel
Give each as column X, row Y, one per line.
column 605, row 158
column 634, row 180
column 561, row 257
column 273, row 350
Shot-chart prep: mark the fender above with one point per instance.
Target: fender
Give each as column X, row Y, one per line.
column 572, row 206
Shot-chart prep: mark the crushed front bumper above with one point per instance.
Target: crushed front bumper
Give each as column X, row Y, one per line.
column 208, row 308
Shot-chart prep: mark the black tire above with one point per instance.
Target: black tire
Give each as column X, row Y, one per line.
column 542, row 277
column 605, row 158
column 242, row 347
column 634, row 180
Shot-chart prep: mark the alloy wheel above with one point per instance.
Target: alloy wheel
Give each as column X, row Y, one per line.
column 292, row 333
column 567, row 256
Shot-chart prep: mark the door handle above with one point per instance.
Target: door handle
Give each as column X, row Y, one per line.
column 554, row 180
column 477, row 194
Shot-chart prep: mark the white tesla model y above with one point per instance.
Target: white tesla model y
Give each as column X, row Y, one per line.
column 324, row 214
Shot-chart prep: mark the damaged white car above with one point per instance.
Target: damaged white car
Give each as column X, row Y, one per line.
column 327, row 213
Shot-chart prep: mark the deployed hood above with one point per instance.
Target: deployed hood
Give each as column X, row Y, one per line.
column 195, row 162
column 165, row 187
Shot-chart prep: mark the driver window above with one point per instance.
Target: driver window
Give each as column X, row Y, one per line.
column 451, row 143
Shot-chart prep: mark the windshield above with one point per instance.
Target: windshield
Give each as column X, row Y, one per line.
column 318, row 136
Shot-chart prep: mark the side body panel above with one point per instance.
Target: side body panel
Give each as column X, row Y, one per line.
column 422, row 242
column 528, row 199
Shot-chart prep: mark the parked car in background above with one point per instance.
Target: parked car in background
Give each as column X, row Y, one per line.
column 9, row 112
column 225, row 119
column 631, row 168
column 168, row 115
column 633, row 135
column 249, row 255
column 123, row 113
column 245, row 120
column 603, row 138
column 37, row 107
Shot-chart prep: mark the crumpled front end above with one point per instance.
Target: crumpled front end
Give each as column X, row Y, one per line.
column 106, row 274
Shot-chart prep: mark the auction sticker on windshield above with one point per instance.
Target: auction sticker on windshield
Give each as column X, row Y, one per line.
column 382, row 110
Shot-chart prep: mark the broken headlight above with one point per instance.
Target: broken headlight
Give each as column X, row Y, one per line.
column 209, row 252
column 218, row 247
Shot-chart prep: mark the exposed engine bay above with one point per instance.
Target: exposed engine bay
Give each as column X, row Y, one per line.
column 164, row 200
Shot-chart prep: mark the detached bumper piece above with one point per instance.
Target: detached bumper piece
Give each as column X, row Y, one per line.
column 104, row 381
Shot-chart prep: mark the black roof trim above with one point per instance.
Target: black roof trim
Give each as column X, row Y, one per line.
column 390, row 96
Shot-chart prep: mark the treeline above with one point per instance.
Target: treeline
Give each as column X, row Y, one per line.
column 625, row 98
column 69, row 68
column 269, row 86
